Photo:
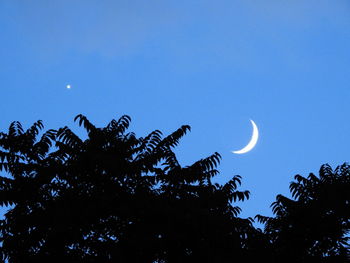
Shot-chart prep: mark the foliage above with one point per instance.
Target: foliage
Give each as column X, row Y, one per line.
column 314, row 226
column 115, row 198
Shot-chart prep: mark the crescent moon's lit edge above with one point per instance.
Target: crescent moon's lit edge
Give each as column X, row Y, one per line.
column 252, row 141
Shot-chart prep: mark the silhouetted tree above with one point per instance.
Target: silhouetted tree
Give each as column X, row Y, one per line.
column 314, row 226
column 116, row 198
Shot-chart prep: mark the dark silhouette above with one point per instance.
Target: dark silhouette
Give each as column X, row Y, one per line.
column 315, row 226
column 117, row 198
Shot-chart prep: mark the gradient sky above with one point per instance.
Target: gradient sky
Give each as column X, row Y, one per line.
column 210, row 64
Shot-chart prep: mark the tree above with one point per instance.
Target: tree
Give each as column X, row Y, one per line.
column 314, row 226
column 116, row 198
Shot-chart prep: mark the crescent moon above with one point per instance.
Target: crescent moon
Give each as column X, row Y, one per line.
column 252, row 141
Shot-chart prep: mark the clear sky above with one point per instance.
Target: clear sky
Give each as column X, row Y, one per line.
column 210, row 64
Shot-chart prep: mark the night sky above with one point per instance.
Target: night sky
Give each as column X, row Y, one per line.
column 211, row 64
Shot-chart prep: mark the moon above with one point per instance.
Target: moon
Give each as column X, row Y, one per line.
column 252, row 141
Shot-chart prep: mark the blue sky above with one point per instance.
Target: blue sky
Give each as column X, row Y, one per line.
column 210, row 64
